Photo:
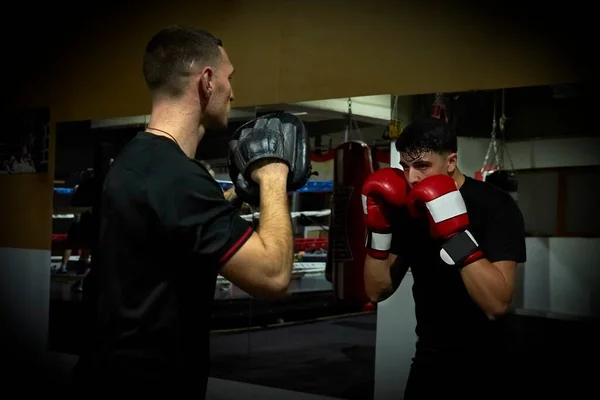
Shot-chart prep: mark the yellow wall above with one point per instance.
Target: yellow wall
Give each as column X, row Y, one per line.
column 283, row 51
column 26, row 207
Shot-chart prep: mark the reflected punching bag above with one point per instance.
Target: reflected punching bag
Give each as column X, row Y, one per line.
column 346, row 253
column 505, row 180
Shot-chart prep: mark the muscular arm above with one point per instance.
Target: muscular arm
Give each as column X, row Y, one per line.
column 491, row 281
column 490, row 285
column 382, row 277
column 201, row 221
column 263, row 266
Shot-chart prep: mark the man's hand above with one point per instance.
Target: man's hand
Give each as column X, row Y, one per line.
column 438, row 197
column 233, row 198
column 208, row 167
column 230, row 194
column 277, row 138
column 269, row 169
column 383, row 191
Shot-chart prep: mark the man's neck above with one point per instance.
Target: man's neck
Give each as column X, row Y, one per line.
column 459, row 178
column 176, row 123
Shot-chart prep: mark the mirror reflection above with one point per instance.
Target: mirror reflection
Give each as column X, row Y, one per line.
column 334, row 323
column 25, row 143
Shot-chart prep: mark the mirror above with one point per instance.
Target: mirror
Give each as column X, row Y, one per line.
column 285, row 347
column 317, row 337
column 522, row 153
column 81, row 147
column 25, row 143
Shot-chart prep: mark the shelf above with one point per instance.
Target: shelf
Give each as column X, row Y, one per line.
column 248, row 217
column 295, row 214
column 306, row 278
column 63, row 190
column 69, row 212
column 300, row 244
column 317, row 186
column 310, row 187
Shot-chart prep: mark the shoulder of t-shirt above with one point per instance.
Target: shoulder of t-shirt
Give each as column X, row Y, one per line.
column 192, row 171
column 487, row 195
column 148, row 142
column 161, row 167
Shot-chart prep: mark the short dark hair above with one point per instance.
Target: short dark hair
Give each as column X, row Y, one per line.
column 172, row 51
column 424, row 135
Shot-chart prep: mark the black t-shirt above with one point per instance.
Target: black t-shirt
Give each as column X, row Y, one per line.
column 447, row 317
column 166, row 228
column 88, row 194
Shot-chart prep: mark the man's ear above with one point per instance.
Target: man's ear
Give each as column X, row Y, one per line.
column 207, row 81
column 451, row 162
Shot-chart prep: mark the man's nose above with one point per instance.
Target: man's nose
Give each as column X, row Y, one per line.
column 413, row 177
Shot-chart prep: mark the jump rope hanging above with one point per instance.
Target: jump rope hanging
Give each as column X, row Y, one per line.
column 351, row 126
column 493, row 169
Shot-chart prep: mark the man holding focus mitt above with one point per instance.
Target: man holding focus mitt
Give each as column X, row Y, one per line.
column 278, row 136
column 462, row 240
column 167, row 229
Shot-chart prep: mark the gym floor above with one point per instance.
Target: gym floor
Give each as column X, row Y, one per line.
column 328, row 356
column 335, row 356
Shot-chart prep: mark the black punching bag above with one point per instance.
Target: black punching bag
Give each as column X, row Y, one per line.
column 505, row 180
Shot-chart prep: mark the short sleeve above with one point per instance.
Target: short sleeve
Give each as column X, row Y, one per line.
column 198, row 218
column 505, row 235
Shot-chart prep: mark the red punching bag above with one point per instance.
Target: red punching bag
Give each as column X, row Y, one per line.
column 346, row 253
column 439, row 110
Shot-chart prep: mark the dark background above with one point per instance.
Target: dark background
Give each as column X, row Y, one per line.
column 26, row 128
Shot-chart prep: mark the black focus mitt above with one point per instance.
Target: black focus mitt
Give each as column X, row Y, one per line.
column 280, row 136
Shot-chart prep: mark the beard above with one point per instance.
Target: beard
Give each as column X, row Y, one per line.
column 216, row 121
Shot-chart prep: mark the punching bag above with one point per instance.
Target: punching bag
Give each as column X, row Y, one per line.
column 505, row 180
column 346, row 253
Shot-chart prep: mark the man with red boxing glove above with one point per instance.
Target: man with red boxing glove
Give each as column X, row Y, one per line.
column 462, row 240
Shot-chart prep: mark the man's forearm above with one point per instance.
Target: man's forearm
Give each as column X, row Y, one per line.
column 383, row 277
column 275, row 227
column 378, row 280
column 487, row 287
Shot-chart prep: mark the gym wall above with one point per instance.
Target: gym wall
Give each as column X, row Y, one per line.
column 98, row 75
column 87, row 66
column 403, row 48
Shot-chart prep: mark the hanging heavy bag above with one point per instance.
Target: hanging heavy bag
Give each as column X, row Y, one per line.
column 506, row 180
column 280, row 136
column 346, row 253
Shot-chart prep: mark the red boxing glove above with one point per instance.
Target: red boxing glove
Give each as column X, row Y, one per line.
column 383, row 191
column 439, row 198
